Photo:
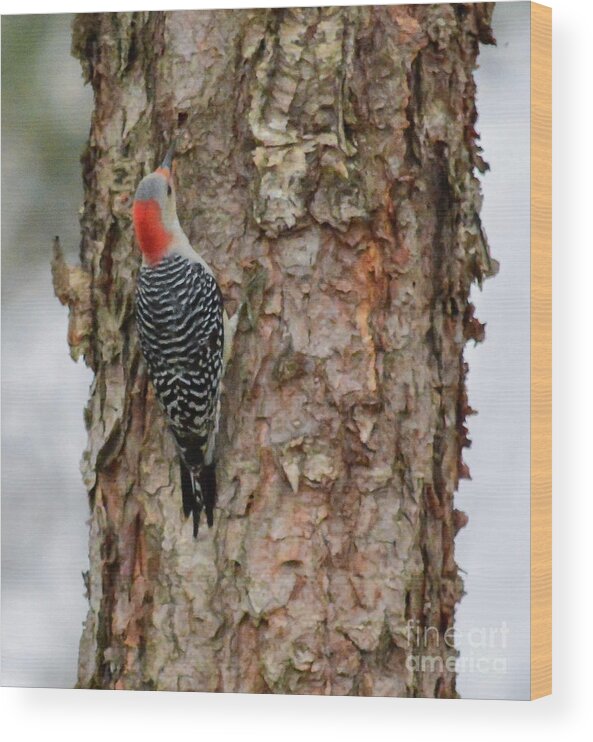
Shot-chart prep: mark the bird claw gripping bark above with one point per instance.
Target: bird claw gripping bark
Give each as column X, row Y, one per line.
column 256, row 283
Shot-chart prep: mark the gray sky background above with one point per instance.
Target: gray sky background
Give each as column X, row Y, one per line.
column 494, row 549
column 45, row 120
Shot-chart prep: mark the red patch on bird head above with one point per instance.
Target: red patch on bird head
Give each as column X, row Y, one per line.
column 152, row 237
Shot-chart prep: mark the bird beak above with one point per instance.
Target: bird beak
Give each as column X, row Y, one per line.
column 168, row 161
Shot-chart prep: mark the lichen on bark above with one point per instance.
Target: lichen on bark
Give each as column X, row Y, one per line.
column 326, row 170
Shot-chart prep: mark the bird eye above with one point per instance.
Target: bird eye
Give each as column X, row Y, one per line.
column 169, row 189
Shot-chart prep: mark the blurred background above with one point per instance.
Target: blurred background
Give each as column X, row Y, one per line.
column 45, row 121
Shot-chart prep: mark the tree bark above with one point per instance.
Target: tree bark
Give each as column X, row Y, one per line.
column 326, row 171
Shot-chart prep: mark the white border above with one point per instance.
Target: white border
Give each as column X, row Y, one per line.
column 33, row 714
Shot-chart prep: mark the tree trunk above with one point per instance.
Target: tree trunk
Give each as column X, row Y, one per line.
column 325, row 171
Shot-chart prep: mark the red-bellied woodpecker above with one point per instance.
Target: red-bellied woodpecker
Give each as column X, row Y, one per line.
column 182, row 327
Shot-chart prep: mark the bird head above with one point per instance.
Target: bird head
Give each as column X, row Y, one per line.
column 154, row 211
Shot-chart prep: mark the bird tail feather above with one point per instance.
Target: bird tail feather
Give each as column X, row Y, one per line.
column 198, row 491
column 207, row 480
column 192, row 504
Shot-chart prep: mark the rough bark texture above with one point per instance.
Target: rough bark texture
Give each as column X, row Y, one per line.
column 326, row 170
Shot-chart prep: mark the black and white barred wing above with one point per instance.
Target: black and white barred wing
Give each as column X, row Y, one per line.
column 180, row 325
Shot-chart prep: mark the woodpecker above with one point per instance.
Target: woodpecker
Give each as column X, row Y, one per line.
column 181, row 325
